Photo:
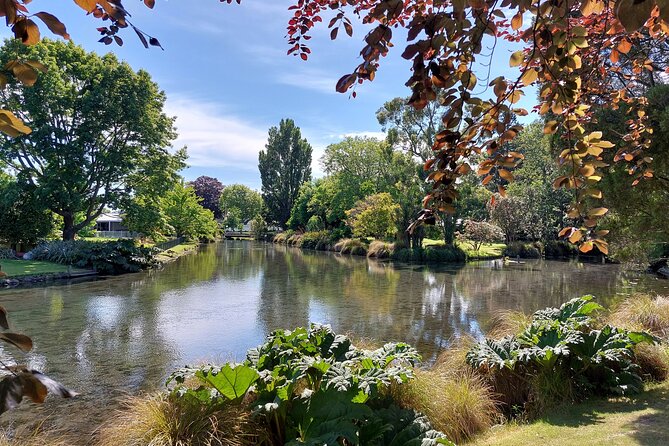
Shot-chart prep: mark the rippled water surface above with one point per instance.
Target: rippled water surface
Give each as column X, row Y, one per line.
column 126, row 334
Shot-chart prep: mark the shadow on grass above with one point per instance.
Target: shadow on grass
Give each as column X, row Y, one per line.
column 647, row 428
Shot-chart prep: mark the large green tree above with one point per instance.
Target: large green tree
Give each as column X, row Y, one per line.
column 98, row 131
column 23, row 219
column 241, row 200
column 183, row 211
column 284, row 165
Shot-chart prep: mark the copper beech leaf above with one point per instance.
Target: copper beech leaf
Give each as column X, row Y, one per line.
column 3, row 318
column 22, row 342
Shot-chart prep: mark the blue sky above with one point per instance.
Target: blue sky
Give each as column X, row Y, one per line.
column 228, row 79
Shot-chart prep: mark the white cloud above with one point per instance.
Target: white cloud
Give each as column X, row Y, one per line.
column 310, row 79
column 214, row 137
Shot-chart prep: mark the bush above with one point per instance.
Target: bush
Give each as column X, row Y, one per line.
column 430, row 254
column 113, row 257
column 312, row 386
column 7, row 254
column 523, row 250
column 380, row 250
column 560, row 249
column 280, row 238
column 319, row 241
column 559, row 355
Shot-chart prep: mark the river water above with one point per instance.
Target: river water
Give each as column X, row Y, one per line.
column 124, row 335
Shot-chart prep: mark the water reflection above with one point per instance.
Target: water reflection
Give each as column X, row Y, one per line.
column 126, row 334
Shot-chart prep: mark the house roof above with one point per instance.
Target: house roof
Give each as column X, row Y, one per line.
column 109, row 218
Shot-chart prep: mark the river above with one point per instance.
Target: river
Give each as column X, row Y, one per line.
column 125, row 334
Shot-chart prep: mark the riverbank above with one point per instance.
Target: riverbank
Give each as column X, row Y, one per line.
column 432, row 251
column 30, row 273
column 26, row 273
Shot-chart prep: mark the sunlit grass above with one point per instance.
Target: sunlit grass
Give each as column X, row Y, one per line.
column 488, row 250
column 641, row 420
column 18, row 268
column 176, row 251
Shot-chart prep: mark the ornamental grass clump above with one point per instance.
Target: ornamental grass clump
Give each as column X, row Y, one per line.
column 562, row 354
column 380, row 250
column 460, row 406
column 166, row 420
column 645, row 312
column 351, row 246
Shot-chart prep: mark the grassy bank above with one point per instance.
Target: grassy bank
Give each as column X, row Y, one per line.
column 641, row 420
column 176, row 252
column 20, row 268
column 487, row 250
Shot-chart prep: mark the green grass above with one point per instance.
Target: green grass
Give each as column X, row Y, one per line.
column 176, row 251
column 641, row 420
column 17, row 268
column 487, row 251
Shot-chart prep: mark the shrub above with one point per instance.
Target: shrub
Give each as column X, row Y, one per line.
column 561, row 354
column 523, row 250
column 314, row 240
column 479, row 232
column 374, row 216
column 380, row 250
column 560, row 249
column 430, row 254
column 7, row 254
column 312, row 386
column 112, row 257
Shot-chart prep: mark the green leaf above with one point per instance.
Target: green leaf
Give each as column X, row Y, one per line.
column 232, row 383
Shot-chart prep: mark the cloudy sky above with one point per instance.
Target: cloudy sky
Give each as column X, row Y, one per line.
column 228, row 79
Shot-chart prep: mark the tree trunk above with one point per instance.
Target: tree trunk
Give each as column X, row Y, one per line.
column 68, row 226
column 448, row 227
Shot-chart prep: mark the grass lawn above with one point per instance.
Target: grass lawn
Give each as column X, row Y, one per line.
column 175, row 251
column 488, row 250
column 16, row 268
column 641, row 420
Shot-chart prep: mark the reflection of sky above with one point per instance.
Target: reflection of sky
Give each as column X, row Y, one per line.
column 211, row 321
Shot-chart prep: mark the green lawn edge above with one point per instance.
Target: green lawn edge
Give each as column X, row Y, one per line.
column 25, row 268
column 635, row 421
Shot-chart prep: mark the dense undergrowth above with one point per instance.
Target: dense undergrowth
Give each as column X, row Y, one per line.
column 314, row 387
column 111, row 257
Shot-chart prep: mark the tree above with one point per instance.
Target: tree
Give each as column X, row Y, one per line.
column 209, row 189
column 184, row 213
column 245, row 200
column 284, row 166
column 480, row 232
column 23, row 219
column 375, row 216
column 579, row 53
column 509, row 214
column 98, row 131
column 571, row 50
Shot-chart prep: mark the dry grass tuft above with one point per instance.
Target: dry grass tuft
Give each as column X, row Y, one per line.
column 351, row 246
column 653, row 360
column 162, row 420
column 452, row 361
column 508, row 322
column 380, row 250
column 34, row 438
column 642, row 311
column 459, row 406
